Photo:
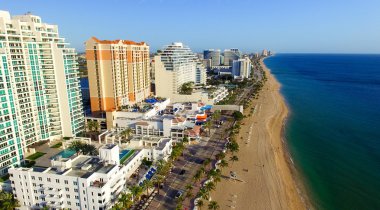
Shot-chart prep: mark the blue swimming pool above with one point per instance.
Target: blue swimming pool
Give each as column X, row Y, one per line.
column 123, row 153
column 65, row 153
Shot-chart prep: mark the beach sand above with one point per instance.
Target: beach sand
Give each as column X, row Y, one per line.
column 268, row 183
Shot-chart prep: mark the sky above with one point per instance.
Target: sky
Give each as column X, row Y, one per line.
column 293, row 26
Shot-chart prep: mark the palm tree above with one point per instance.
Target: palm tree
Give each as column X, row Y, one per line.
column 76, row 146
column 117, row 206
column 206, row 162
column 136, row 192
column 157, row 180
column 88, row 149
column 234, row 158
column 147, row 184
column 7, row 201
column 208, row 126
column 213, row 205
column 125, row 200
column 197, row 176
column 189, row 187
column 203, row 193
column 199, row 204
column 126, row 133
column 216, row 115
column 185, row 139
column 223, row 163
column 220, row 156
column 209, row 186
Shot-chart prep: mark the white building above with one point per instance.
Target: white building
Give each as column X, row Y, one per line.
column 84, row 182
column 39, row 86
column 231, row 55
column 242, row 68
column 175, row 65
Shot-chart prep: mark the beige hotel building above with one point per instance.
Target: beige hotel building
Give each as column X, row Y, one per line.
column 118, row 73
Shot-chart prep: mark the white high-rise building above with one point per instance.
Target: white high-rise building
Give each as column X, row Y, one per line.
column 40, row 92
column 242, row 68
column 175, row 65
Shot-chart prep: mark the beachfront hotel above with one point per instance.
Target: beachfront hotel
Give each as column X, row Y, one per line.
column 242, row 68
column 87, row 182
column 118, row 73
column 40, row 94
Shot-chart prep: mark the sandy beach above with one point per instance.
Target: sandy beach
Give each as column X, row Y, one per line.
column 263, row 166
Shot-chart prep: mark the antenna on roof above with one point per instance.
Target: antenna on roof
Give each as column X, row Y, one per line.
column 28, row 13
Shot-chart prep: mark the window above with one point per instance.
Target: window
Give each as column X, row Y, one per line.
column 33, row 178
column 76, row 197
column 57, row 180
column 75, row 190
column 66, row 182
column 75, row 183
column 48, row 179
column 67, row 196
column 40, row 178
column 67, row 189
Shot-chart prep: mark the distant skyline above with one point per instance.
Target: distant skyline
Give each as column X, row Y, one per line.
column 296, row 26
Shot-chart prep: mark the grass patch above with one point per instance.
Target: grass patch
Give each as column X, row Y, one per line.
column 35, row 155
column 57, row 145
column 4, row 178
column 123, row 159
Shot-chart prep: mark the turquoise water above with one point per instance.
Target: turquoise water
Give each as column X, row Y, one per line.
column 65, row 153
column 333, row 131
column 123, row 153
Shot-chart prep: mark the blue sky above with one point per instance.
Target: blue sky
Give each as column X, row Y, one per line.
column 319, row 26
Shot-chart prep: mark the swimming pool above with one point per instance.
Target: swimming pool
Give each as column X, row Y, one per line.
column 123, row 153
column 64, row 154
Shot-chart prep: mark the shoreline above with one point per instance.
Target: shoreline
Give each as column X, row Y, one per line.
column 297, row 178
column 268, row 178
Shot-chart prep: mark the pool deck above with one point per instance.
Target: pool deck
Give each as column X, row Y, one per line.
column 45, row 160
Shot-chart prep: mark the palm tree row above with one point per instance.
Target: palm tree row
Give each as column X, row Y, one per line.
column 84, row 148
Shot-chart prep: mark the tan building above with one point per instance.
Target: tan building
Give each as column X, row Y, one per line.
column 118, row 73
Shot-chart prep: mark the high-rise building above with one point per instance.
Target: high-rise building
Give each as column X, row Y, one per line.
column 241, row 68
column 175, row 65
column 230, row 55
column 39, row 86
column 214, row 55
column 264, row 53
column 118, row 73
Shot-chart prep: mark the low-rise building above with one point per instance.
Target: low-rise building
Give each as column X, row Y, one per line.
column 81, row 181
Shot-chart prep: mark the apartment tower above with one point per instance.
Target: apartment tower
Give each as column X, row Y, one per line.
column 40, row 95
column 118, row 73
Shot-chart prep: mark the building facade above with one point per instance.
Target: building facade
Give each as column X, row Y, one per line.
column 175, row 65
column 242, row 68
column 214, row 55
column 118, row 73
column 230, row 55
column 39, row 86
column 84, row 182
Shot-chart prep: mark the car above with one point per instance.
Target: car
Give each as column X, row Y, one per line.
column 178, row 194
column 182, row 172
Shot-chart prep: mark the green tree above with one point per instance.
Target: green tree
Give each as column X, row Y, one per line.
column 213, row 205
column 125, row 200
column 7, row 201
column 238, row 115
column 234, row 158
column 220, row 156
column 126, row 133
column 76, row 146
column 223, row 163
column 147, row 184
column 209, row 186
column 199, row 204
column 88, row 149
column 208, row 126
column 136, row 192
column 157, row 180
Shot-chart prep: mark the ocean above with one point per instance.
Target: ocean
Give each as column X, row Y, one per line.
column 333, row 129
